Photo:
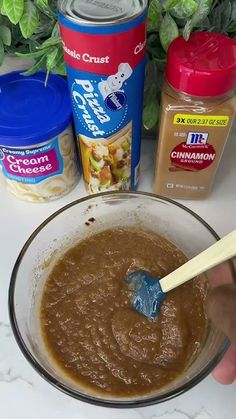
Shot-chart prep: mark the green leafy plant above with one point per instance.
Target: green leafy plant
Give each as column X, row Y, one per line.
column 28, row 28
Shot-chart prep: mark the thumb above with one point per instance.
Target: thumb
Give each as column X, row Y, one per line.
column 221, row 309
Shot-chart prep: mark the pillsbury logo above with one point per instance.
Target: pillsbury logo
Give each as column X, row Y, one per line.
column 115, row 101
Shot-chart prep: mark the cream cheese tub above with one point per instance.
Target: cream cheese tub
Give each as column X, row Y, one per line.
column 37, row 148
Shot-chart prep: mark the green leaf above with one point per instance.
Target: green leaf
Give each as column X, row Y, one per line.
column 5, row 35
column 3, row 11
column 43, row 4
column 187, row 30
column 39, row 65
column 169, row 4
column 50, row 42
column 30, row 20
column 56, row 31
column 44, row 7
column 33, row 54
column 204, row 7
column 184, row 9
column 54, row 58
column 151, row 106
column 231, row 27
column 60, row 69
column 154, row 16
column 205, row 25
column 33, row 44
column 226, row 14
column 2, row 54
column 233, row 11
column 168, row 31
column 13, row 9
column 215, row 18
column 1, row 3
column 152, row 26
column 45, row 26
column 154, row 12
column 221, row 17
column 151, row 114
column 43, row 30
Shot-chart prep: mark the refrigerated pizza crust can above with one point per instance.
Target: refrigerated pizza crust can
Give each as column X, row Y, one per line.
column 104, row 44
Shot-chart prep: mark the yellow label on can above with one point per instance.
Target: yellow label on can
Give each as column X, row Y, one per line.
column 201, row 120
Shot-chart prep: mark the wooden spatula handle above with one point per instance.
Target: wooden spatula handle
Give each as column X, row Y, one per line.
column 219, row 252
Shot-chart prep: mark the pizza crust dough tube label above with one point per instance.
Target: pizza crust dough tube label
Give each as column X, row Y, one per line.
column 106, row 83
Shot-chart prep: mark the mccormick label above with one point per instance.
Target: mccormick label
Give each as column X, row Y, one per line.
column 194, row 154
column 190, row 149
column 31, row 165
column 105, row 68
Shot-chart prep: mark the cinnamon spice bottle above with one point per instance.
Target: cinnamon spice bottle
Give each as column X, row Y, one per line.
column 197, row 111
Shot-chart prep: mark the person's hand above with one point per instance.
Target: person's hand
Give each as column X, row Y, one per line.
column 221, row 309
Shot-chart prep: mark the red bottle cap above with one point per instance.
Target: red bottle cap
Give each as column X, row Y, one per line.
column 205, row 65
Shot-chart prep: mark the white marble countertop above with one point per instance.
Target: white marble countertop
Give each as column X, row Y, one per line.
column 23, row 393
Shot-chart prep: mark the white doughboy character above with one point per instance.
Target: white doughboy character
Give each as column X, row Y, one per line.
column 115, row 82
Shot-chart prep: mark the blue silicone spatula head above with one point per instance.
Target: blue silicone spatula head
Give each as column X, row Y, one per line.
column 147, row 293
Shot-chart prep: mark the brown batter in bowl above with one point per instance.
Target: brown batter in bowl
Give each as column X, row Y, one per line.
column 178, row 362
column 93, row 333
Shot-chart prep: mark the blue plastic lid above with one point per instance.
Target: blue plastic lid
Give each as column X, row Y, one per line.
column 31, row 113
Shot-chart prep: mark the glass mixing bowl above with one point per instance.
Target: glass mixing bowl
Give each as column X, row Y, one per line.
column 71, row 224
